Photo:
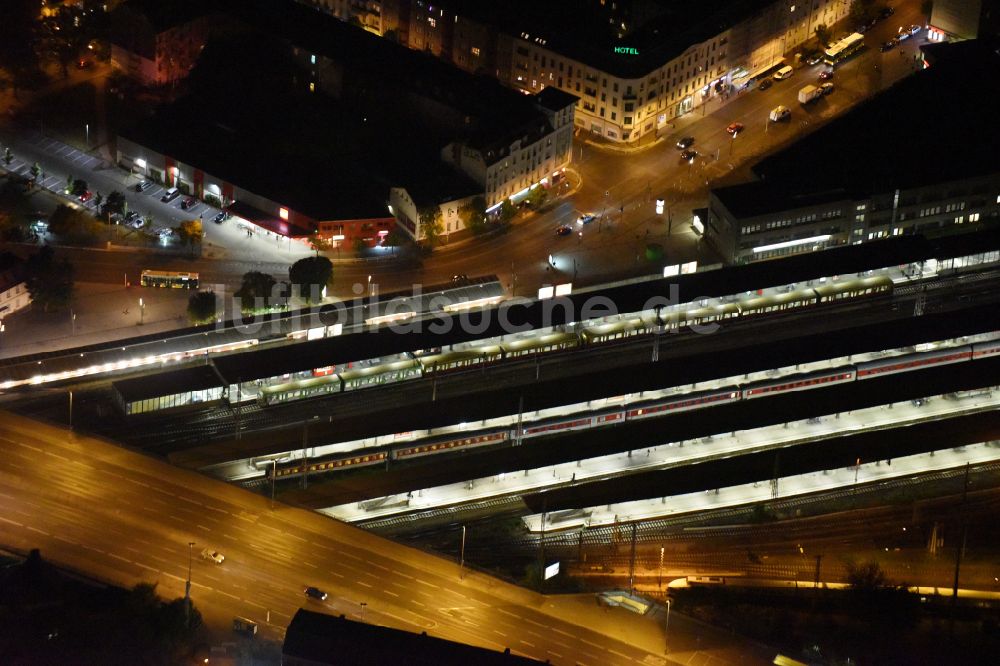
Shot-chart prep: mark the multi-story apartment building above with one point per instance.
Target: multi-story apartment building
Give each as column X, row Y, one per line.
column 508, row 164
column 14, row 294
column 829, row 190
column 635, row 65
column 158, row 43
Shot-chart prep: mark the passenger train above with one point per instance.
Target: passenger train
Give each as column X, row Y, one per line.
column 687, row 402
column 425, row 363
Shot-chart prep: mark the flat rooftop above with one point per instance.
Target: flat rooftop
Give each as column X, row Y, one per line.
column 658, row 30
column 932, row 127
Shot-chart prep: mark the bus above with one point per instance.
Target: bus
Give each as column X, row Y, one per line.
column 169, row 279
column 843, row 49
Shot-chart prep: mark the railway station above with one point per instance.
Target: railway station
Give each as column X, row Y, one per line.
column 398, row 345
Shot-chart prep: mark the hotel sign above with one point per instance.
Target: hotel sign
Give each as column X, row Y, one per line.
column 626, row 50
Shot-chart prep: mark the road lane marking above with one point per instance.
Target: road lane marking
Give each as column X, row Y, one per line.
column 555, row 654
column 527, row 643
column 509, row 613
column 423, row 582
column 12, row 522
column 414, row 601
column 391, row 593
column 500, row 632
column 361, row 582
column 623, row 656
column 584, row 640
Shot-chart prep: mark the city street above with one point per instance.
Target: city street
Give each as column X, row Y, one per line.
column 620, row 187
column 119, row 516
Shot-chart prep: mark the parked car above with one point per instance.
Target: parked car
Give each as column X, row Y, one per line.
column 564, row 230
column 826, row 76
column 914, row 29
column 86, row 196
column 221, row 217
column 903, row 34
column 886, row 12
column 586, row 219
column 814, row 59
column 316, row 593
column 143, row 186
column 735, row 128
column 214, row 555
column 130, row 218
column 689, row 155
column 888, row 46
column 764, row 85
column 460, row 278
column 170, row 195
column 189, row 202
column 826, row 88
column 685, row 142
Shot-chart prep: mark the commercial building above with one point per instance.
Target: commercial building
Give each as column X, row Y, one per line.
column 869, row 174
column 634, row 64
column 14, row 293
column 955, row 20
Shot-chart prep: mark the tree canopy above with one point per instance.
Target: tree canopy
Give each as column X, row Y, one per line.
column 310, row 276
column 257, row 292
column 431, row 224
column 202, row 308
column 50, row 281
column 473, row 215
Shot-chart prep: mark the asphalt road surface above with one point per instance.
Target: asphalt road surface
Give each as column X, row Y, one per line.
column 118, row 516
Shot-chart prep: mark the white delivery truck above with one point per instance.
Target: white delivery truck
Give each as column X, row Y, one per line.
column 809, row 93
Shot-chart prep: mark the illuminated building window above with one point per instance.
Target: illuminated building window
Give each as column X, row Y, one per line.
column 312, row 87
column 475, row 51
column 283, row 213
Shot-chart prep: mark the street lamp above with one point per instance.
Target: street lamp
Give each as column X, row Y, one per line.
column 461, row 561
column 3, row 328
column 87, row 130
column 660, row 577
column 363, row 604
column 187, row 585
column 369, row 285
column 142, row 311
column 666, row 626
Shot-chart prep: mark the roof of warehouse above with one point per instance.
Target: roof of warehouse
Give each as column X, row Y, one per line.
column 182, row 380
column 949, row 94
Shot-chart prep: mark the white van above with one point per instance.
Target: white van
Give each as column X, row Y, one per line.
column 170, row 195
column 783, row 73
column 779, row 113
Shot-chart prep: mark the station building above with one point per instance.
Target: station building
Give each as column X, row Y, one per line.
column 635, row 65
column 871, row 173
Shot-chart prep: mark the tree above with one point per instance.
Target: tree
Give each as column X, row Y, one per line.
column 823, row 34
column 50, row 281
column 359, row 246
column 256, row 292
column 190, row 232
column 537, row 197
column 311, row 275
column 867, row 577
column 391, row 34
column 115, row 203
column 202, row 308
column 8, row 156
column 65, row 220
column 473, row 215
column 431, row 224
column 18, row 36
column 98, row 200
column 507, row 212
column 863, row 11
column 78, row 187
column 320, row 244
column 35, row 170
